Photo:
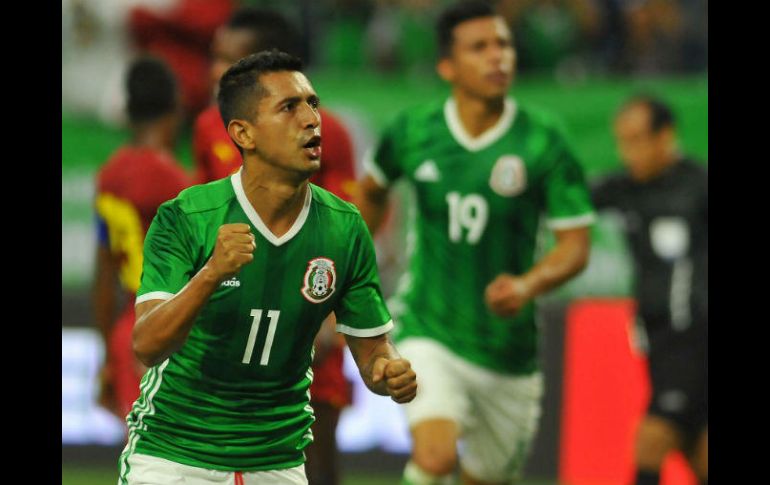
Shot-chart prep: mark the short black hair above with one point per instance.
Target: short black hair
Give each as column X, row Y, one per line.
column 239, row 88
column 661, row 115
column 456, row 14
column 151, row 88
column 271, row 30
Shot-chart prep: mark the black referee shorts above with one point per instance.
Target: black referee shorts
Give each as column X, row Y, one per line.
column 679, row 377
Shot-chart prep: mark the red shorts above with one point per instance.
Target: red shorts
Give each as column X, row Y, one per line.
column 329, row 383
column 125, row 369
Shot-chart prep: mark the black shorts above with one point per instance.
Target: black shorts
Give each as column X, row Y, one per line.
column 679, row 379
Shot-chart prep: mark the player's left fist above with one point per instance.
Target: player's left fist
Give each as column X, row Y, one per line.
column 507, row 294
column 398, row 376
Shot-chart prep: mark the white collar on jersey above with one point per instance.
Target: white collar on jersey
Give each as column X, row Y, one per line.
column 260, row 226
column 482, row 141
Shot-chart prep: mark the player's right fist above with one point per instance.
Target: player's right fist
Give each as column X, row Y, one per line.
column 234, row 247
column 398, row 376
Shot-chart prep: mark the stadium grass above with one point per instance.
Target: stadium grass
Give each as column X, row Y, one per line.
column 78, row 475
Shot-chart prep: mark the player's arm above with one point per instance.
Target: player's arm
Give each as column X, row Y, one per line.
column 571, row 215
column 104, row 290
column 508, row 293
column 162, row 326
column 382, row 166
column 381, row 367
column 371, row 198
column 104, row 297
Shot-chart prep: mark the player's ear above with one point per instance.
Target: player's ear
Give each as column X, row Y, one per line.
column 241, row 133
column 445, row 69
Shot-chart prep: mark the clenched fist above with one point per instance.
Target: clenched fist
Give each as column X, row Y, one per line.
column 234, row 248
column 400, row 379
column 506, row 295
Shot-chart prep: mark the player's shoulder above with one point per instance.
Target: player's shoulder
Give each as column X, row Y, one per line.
column 328, row 201
column 116, row 161
column 119, row 168
column 615, row 179
column 419, row 117
column 203, row 197
column 693, row 168
column 538, row 118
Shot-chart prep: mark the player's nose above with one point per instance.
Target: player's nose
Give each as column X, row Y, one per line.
column 311, row 118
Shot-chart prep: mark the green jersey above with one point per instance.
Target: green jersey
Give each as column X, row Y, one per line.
column 478, row 204
column 235, row 396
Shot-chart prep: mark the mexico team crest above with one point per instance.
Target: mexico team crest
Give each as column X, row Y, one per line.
column 319, row 280
column 508, row 176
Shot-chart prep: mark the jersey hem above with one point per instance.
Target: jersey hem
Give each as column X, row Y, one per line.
column 572, row 222
column 365, row 332
column 222, row 468
column 154, row 295
column 523, row 369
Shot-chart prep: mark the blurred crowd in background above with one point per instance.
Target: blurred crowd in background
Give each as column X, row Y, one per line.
column 569, row 39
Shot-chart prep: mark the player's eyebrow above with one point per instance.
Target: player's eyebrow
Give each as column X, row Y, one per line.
column 313, row 99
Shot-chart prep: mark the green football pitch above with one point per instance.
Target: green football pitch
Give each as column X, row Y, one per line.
column 107, row 476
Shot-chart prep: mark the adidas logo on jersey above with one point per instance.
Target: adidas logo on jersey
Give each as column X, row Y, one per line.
column 231, row 282
column 427, row 172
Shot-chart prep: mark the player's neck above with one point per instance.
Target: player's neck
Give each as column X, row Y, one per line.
column 277, row 200
column 667, row 161
column 152, row 135
column 478, row 115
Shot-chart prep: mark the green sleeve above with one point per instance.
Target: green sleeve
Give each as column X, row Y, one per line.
column 568, row 200
column 168, row 264
column 361, row 311
column 384, row 162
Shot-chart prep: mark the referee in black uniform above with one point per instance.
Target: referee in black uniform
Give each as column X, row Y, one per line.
column 662, row 197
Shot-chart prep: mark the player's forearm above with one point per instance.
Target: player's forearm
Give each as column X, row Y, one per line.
column 104, row 294
column 162, row 329
column 568, row 258
column 366, row 350
column 104, row 308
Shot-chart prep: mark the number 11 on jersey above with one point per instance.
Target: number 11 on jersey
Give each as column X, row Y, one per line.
column 257, row 314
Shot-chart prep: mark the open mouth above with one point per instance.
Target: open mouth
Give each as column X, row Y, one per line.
column 313, row 147
column 313, row 142
column 498, row 77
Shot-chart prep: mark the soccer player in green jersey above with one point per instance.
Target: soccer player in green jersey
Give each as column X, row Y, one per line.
column 483, row 169
column 238, row 275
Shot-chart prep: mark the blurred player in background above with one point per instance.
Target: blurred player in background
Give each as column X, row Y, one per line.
column 179, row 32
column 248, row 31
column 136, row 179
column 238, row 276
column 663, row 198
column 483, row 169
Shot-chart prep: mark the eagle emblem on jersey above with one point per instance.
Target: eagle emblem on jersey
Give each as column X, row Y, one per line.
column 319, row 280
column 508, row 176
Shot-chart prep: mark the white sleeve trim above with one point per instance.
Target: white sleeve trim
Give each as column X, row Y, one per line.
column 571, row 222
column 154, row 295
column 365, row 332
column 371, row 168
